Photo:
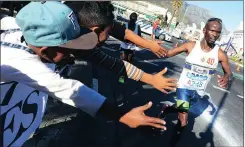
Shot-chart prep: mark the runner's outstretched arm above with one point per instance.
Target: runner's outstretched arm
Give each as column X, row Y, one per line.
column 182, row 48
column 223, row 81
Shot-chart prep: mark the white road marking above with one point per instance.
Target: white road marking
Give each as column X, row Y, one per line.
column 171, row 91
column 240, row 96
column 224, row 90
column 150, row 62
column 120, row 105
column 146, row 86
column 95, row 85
column 174, row 71
column 81, row 62
column 136, row 92
column 56, row 120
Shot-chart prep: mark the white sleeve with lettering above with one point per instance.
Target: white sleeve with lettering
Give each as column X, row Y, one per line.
column 20, row 66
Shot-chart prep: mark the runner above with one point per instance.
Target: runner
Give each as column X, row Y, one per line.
column 128, row 48
column 200, row 65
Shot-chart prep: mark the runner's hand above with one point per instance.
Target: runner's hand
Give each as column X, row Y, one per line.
column 157, row 49
column 161, row 83
column 136, row 117
column 222, row 81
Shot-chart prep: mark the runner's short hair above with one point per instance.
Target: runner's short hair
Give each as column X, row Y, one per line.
column 214, row 19
column 93, row 13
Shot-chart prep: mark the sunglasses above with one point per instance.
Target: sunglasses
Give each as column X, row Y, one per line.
column 215, row 19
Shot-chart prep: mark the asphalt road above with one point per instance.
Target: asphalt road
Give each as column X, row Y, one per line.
column 216, row 120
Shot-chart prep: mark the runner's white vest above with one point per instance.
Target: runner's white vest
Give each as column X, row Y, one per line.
column 130, row 46
column 199, row 68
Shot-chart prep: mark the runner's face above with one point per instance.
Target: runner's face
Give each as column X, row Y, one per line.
column 212, row 31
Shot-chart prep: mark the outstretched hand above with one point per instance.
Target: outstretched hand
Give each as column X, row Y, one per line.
column 136, row 117
column 163, row 84
column 222, row 81
column 157, row 49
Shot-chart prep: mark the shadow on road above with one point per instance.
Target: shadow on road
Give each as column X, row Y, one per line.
column 207, row 136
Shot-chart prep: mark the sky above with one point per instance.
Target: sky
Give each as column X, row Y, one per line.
column 231, row 12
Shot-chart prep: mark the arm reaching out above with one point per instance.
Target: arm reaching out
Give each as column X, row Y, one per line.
column 120, row 32
column 182, row 48
column 136, row 117
column 157, row 49
column 159, row 82
column 121, row 67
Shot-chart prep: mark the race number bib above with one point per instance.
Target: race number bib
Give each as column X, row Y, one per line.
column 196, row 78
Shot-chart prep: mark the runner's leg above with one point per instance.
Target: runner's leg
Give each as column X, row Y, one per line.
column 179, row 129
column 182, row 105
column 183, row 118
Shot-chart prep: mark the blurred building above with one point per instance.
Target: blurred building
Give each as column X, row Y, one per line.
column 236, row 38
column 145, row 9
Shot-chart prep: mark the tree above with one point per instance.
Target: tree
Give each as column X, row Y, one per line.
column 176, row 5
